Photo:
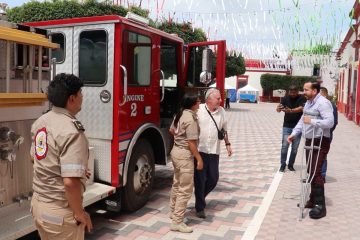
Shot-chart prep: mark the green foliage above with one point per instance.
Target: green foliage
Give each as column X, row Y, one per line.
column 139, row 11
column 322, row 49
column 152, row 23
column 235, row 65
column 59, row 9
column 319, row 49
column 184, row 31
column 270, row 82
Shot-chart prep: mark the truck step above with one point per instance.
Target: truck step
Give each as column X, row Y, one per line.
column 97, row 191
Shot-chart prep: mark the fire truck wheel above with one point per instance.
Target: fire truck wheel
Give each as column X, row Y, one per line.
column 140, row 176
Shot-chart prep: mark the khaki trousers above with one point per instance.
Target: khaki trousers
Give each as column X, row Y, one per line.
column 183, row 182
column 55, row 220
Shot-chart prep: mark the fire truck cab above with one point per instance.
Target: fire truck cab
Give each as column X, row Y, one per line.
column 135, row 76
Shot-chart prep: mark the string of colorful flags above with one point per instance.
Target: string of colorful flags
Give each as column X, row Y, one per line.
column 263, row 29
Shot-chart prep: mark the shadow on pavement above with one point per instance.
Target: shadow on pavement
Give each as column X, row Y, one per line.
column 237, row 110
column 330, row 179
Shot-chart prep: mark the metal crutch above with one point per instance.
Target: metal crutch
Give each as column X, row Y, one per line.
column 307, row 177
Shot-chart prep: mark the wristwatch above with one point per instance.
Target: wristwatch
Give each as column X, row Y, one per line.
column 227, row 144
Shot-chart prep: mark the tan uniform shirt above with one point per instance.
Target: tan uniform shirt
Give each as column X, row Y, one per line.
column 59, row 149
column 187, row 129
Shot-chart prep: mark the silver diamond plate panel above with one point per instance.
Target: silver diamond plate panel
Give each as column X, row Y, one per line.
column 96, row 116
column 102, row 162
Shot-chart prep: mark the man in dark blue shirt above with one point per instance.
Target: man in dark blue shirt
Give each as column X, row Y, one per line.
column 292, row 106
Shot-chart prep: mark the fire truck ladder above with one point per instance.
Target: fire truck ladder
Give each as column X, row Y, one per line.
column 306, row 172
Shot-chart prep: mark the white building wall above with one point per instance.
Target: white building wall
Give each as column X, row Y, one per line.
column 231, row 81
column 329, row 81
column 343, row 71
column 303, row 66
column 354, row 65
column 346, row 83
column 254, row 80
column 347, row 60
column 302, row 71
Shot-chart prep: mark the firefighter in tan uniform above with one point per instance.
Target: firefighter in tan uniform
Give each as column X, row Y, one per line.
column 185, row 129
column 60, row 154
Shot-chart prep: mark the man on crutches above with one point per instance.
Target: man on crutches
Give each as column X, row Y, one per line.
column 315, row 123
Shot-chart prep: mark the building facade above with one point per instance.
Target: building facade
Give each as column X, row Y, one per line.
column 348, row 87
column 255, row 68
column 323, row 66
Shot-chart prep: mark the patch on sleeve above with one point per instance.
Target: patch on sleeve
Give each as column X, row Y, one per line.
column 41, row 146
column 79, row 125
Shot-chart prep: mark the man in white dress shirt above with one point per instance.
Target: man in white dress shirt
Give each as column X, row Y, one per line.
column 209, row 147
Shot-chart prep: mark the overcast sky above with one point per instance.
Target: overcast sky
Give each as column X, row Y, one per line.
column 257, row 28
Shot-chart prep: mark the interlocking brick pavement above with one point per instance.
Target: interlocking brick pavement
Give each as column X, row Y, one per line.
column 342, row 191
column 245, row 180
column 255, row 134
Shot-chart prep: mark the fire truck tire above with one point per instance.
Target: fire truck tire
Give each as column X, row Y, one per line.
column 140, row 176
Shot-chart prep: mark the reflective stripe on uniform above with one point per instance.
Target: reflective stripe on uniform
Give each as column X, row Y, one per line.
column 72, row 166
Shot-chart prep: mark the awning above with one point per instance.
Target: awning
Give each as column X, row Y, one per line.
column 18, row 36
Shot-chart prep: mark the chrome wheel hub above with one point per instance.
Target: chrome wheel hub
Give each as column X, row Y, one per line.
column 142, row 174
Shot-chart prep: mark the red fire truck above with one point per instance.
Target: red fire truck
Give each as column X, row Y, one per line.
column 134, row 78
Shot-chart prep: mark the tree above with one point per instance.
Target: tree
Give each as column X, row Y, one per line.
column 59, row 9
column 270, row 82
column 235, row 65
column 184, row 31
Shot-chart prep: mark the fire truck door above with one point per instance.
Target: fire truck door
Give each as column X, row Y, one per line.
column 93, row 62
column 205, row 65
column 63, row 55
column 140, row 60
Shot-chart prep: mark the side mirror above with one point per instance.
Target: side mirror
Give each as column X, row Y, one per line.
column 206, row 60
column 205, row 75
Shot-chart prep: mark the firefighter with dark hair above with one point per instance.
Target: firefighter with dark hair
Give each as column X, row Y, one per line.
column 185, row 129
column 60, row 151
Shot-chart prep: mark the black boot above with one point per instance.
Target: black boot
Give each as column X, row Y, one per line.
column 319, row 210
column 310, row 203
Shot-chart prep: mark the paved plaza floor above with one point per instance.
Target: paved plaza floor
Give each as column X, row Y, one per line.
column 252, row 199
column 342, row 191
